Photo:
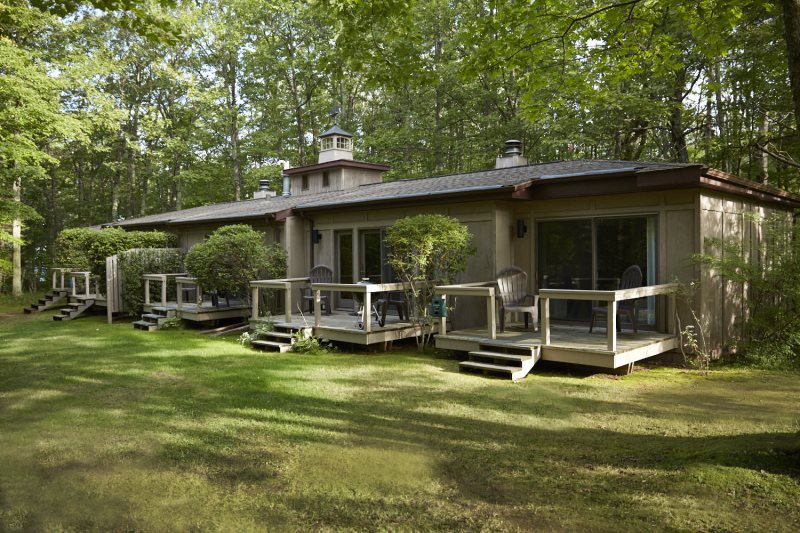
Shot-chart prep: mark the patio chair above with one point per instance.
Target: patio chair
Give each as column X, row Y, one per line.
column 396, row 299
column 631, row 279
column 318, row 274
column 513, row 296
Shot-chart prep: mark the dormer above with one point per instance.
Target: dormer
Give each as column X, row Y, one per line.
column 335, row 144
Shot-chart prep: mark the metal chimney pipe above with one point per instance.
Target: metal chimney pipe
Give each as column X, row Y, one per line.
column 286, row 185
column 263, row 185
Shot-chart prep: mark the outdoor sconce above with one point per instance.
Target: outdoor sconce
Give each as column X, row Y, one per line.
column 522, row 228
column 316, row 236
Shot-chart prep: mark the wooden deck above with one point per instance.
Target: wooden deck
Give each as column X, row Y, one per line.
column 204, row 312
column 342, row 326
column 568, row 344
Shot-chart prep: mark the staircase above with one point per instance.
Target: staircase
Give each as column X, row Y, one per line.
column 279, row 340
column 49, row 300
column 75, row 308
column 491, row 357
column 152, row 321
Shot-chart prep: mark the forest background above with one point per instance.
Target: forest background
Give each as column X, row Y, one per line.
column 112, row 109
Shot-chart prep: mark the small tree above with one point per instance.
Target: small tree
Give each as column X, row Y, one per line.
column 232, row 257
column 425, row 251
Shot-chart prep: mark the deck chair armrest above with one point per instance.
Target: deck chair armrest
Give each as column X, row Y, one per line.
column 534, row 297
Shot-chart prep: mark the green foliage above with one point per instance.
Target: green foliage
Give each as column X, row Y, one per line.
column 87, row 249
column 770, row 275
column 172, row 322
column 133, row 264
column 232, row 257
column 305, row 342
column 260, row 332
column 425, row 251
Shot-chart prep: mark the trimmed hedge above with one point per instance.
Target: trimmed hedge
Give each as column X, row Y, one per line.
column 87, row 249
column 132, row 264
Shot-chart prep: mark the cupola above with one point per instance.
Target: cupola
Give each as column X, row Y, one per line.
column 335, row 144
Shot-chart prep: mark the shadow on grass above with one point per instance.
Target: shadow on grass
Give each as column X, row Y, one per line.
column 217, row 410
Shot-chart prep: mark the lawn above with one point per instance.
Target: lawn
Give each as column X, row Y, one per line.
column 109, row 429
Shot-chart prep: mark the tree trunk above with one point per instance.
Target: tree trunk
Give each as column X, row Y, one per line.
column 791, row 24
column 233, row 110
column 131, row 158
column 761, row 157
column 16, row 246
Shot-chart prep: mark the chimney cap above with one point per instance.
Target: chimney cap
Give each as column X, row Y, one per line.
column 263, row 185
column 512, row 147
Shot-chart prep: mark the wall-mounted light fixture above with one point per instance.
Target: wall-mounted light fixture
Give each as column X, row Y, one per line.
column 316, row 236
column 522, row 228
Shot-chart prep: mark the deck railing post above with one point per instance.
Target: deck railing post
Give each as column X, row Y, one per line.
column 147, row 292
column 54, row 280
column 367, row 312
column 179, row 293
column 490, row 314
column 545, row 320
column 86, row 283
column 612, row 326
column 163, row 291
column 254, row 294
column 443, row 320
column 318, row 307
column 287, row 302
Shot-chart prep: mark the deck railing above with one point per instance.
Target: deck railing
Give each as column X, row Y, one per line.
column 485, row 289
column 164, row 280
column 612, row 297
column 284, row 285
column 182, row 280
column 60, row 278
column 365, row 292
column 86, row 278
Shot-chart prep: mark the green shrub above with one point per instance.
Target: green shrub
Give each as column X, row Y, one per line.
column 233, row 256
column 132, row 264
column 425, row 251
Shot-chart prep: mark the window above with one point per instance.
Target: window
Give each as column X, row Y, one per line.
column 304, row 182
column 326, row 181
column 327, row 143
column 343, row 143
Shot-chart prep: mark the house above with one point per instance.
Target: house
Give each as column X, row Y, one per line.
column 572, row 225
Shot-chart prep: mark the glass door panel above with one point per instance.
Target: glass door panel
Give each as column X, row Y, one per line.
column 344, row 264
column 622, row 242
column 371, row 257
column 565, row 262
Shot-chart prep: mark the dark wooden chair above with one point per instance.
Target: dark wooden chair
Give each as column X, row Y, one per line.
column 396, row 299
column 513, row 296
column 631, row 278
column 318, row 274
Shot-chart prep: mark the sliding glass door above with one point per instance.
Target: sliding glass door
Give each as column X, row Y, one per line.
column 592, row 254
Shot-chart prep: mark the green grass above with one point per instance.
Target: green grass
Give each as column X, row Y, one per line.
column 109, row 429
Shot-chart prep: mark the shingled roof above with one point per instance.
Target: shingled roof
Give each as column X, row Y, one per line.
column 453, row 185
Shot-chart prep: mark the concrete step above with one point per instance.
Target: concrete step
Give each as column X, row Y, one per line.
column 281, row 347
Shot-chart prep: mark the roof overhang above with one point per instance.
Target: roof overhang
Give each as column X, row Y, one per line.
column 349, row 163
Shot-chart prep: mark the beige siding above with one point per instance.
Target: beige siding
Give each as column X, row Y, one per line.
column 727, row 218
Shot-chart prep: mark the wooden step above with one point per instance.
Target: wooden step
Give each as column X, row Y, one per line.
column 282, row 347
column 498, row 355
column 280, row 334
column 514, row 371
column 145, row 325
column 153, row 316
